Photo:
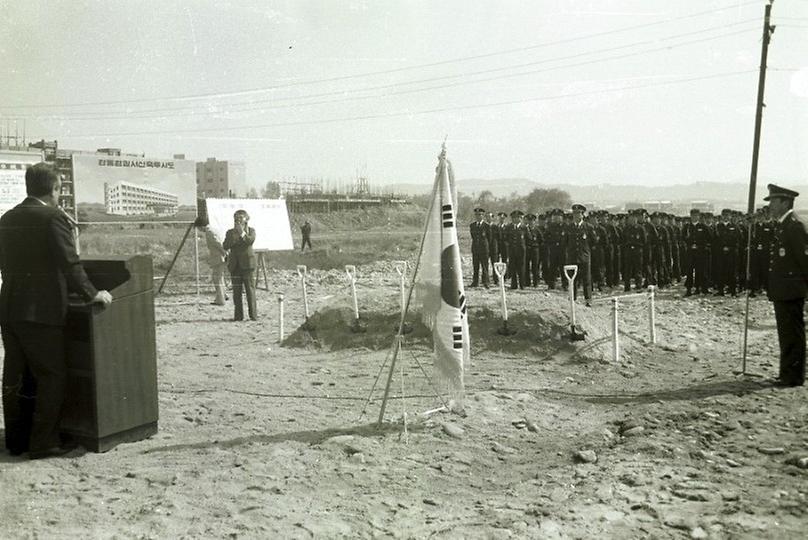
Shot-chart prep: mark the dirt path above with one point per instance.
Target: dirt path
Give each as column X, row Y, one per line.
column 262, row 441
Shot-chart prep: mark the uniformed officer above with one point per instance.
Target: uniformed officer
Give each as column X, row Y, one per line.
column 480, row 238
column 493, row 245
column 787, row 284
column 599, row 250
column 502, row 247
column 633, row 250
column 555, row 238
column 614, row 229
column 533, row 242
column 762, row 238
column 726, row 244
column 580, row 239
column 515, row 233
column 699, row 240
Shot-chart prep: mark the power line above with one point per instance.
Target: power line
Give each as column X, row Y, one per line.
column 388, row 71
column 413, row 113
column 435, row 87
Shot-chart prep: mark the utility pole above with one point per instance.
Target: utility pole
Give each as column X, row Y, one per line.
column 768, row 30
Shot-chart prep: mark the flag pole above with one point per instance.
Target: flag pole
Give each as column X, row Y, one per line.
column 400, row 333
column 767, row 33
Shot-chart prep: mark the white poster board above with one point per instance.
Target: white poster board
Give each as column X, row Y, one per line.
column 268, row 217
column 12, row 176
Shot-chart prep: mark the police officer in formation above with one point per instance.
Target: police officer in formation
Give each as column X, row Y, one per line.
column 480, row 245
column 633, row 249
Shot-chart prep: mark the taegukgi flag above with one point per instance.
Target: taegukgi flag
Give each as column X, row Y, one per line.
column 439, row 283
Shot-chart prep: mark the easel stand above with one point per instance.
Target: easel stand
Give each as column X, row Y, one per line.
column 500, row 268
column 262, row 268
column 176, row 255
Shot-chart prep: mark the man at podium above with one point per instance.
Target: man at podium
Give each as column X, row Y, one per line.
column 39, row 266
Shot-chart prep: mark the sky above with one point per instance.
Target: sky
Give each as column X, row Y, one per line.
column 646, row 92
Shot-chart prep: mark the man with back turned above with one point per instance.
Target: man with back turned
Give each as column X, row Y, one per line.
column 40, row 266
column 787, row 284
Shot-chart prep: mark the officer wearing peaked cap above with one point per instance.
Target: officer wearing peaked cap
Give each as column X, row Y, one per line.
column 554, row 239
column 581, row 237
column 787, row 284
column 493, row 245
column 480, row 239
column 516, row 250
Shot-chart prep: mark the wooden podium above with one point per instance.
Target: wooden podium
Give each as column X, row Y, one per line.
column 111, row 394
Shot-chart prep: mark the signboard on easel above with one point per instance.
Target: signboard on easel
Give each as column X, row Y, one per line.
column 268, row 217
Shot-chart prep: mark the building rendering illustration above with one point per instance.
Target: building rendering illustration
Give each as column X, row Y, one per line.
column 128, row 199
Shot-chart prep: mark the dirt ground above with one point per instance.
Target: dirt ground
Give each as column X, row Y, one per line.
column 260, row 439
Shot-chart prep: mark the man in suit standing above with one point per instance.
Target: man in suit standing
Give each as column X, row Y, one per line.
column 480, row 238
column 241, row 263
column 40, row 266
column 787, row 284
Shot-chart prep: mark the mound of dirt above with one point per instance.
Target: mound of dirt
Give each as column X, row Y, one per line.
column 539, row 325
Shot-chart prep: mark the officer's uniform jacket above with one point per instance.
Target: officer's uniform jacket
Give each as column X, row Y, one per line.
column 789, row 260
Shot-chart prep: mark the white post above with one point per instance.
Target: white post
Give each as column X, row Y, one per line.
column 351, row 271
column 571, row 286
column 615, row 335
column 301, row 271
column 401, row 268
column 196, row 262
column 280, row 317
column 651, row 313
column 500, row 268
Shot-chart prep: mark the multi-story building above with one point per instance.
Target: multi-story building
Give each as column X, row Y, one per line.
column 220, row 179
column 127, row 199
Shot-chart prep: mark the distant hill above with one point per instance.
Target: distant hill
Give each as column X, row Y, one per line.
column 730, row 193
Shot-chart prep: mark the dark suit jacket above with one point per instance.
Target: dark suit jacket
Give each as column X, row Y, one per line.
column 789, row 262
column 480, row 236
column 40, row 265
column 242, row 256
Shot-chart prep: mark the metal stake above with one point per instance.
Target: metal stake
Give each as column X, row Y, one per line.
column 651, row 313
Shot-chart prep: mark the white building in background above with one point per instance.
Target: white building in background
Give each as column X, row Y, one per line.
column 127, row 199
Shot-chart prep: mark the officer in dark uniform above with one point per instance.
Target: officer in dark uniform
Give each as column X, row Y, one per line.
column 651, row 246
column 493, row 245
column 516, row 250
column 699, row 240
column 599, row 249
column 614, row 231
column 502, row 247
column 661, row 254
column 762, row 238
column 480, row 238
column 554, row 238
column 581, row 237
column 726, row 244
column 533, row 241
column 787, row 284
column 633, row 250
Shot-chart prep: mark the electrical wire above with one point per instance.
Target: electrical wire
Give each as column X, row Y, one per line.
column 388, row 71
column 410, row 113
column 128, row 115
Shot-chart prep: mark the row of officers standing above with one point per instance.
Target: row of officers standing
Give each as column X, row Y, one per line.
column 640, row 248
